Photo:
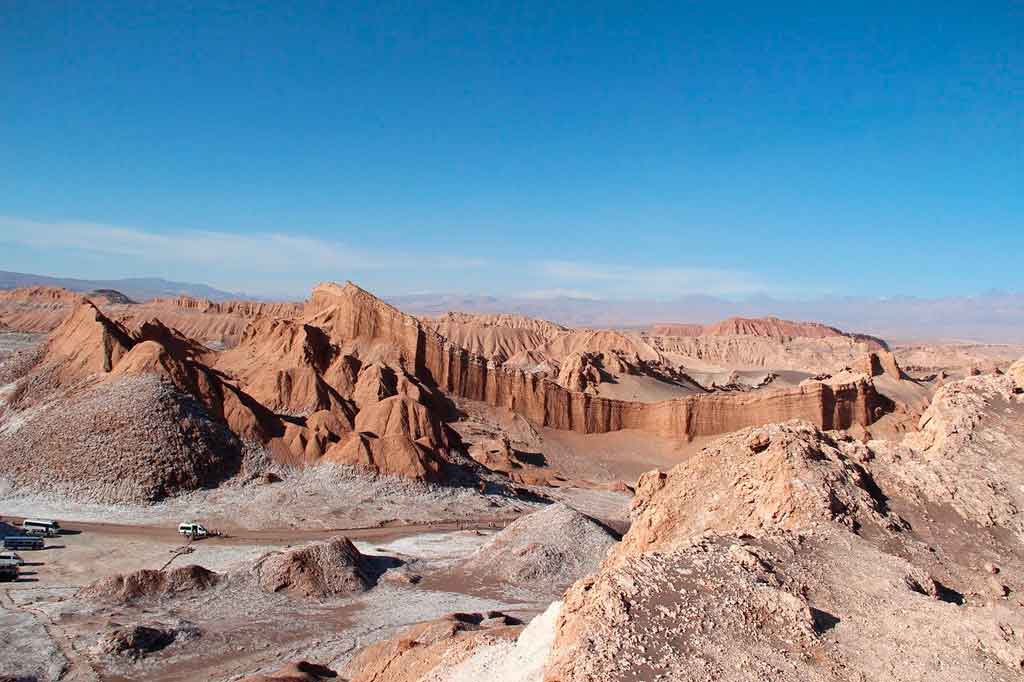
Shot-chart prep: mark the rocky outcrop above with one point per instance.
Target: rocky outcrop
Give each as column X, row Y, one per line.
column 967, row 452
column 429, row 650
column 147, row 583
column 300, row 671
column 544, row 551
column 136, row 641
column 356, row 319
column 580, row 372
column 774, row 554
column 1016, row 373
column 318, row 570
column 395, row 436
column 87, row 342
column 880, row 363
column 128, row 439
column 788, row 475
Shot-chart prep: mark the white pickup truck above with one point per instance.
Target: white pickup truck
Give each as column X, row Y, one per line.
column 193, row 530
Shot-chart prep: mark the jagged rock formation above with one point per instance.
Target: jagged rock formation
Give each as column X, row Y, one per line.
column 42, row 309
column 318, row 570
column 350, row 315
column 353, row 380
column 880, row 363
column 396, row 435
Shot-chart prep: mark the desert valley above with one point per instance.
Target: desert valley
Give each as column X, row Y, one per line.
column 388, row 496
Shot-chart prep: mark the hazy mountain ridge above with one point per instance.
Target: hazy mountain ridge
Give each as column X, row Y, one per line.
column 136, row 288
column 996, row 317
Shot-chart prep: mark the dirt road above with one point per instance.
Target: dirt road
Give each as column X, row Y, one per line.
column 279, row 536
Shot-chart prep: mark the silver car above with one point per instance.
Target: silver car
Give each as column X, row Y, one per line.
column 12, row 556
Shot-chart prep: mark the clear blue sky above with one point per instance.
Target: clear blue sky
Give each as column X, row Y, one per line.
column 632, row 149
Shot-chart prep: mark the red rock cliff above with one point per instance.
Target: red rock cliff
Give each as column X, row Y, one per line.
column 351, row 315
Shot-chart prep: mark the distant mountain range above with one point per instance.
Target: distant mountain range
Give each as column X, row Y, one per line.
column 136, row 288
column 995, row 317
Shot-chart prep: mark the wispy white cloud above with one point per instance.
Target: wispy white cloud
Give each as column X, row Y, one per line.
column 290, row 261
column 285, row 253
column 632, row 280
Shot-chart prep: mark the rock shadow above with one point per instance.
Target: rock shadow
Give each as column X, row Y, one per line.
column 823, row 620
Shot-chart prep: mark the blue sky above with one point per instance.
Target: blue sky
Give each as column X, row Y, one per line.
column 608, row 150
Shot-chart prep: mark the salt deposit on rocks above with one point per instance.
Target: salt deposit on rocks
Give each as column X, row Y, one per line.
column 320, row 569
column 546, row 549
column 135, row 439
column 148, row 584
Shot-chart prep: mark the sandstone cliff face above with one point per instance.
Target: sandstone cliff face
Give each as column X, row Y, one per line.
column 87, row 342
column 767, row 327
column 42, row 309
column 356, row 319
column 247, row 309
column 354, row 380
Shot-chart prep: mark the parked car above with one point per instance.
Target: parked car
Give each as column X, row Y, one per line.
column 8, row 570
column 191, row 529
column 12, row 556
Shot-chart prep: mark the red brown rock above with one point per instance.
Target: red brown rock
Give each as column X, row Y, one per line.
column 149, row 584
column 318, row 570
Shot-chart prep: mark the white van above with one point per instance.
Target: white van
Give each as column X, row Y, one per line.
column 45, row 527
column 191, row 529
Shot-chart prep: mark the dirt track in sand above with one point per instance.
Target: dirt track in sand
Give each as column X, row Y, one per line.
column 281, row 536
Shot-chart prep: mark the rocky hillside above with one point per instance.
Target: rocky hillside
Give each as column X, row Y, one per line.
column 787, row 553
column 349, row 380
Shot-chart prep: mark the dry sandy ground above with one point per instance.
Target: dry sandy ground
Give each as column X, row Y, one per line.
column 48, row 633
column 49, row 630
column 599, row 458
